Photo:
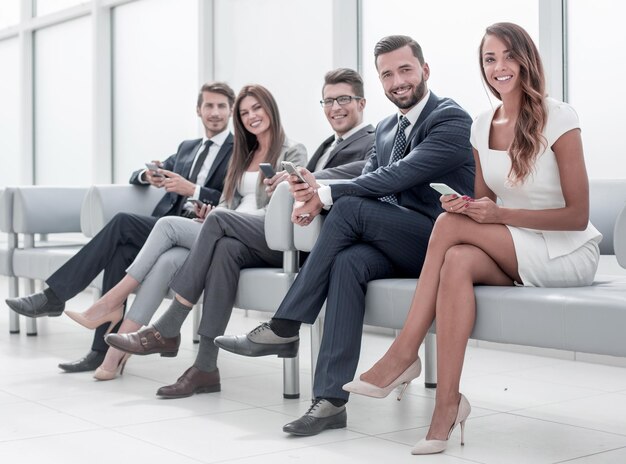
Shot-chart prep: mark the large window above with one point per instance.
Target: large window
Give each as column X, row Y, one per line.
column 286, row 48
column 44, row 7
column 596, row 40
column 155, row 81
column 9, row 13
column 63, row 107
column 449, row 32
column 10, row 173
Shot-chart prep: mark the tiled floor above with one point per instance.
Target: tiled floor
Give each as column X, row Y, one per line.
column 526, row 409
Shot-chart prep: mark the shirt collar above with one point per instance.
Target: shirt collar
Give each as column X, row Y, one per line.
column 414, row 113
column 351, row 132
column 218, row 139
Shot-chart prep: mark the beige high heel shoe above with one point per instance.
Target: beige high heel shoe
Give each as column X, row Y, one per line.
column 437, row 446
column 361, row 387
column 113, row 318
column 103, row 374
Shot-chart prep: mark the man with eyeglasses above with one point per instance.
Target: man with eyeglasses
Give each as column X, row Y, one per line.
column 341, row 156
column 378, row 226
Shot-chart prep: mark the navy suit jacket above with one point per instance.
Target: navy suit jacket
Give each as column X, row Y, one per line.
column 172, row 204
column 438, row 150
column 348, row 158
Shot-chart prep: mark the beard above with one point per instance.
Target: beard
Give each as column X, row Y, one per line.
column 413, row 99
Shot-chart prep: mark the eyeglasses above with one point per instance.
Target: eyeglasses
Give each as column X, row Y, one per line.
column 341, row 100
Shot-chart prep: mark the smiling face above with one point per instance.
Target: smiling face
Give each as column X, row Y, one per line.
column 343, row 118
column 253, row 116
column 500, row 69
column 403, row 77
column 214, row 112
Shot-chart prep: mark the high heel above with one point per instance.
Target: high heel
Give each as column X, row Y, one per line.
column 437, row 446
column 361, row 387
column 103, row 374
column 113, row 318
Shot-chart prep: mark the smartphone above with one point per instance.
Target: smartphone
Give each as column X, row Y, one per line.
column 153, row 167
column 198, row 203
column 267, row 170
column 444, row 189
column 291, row 169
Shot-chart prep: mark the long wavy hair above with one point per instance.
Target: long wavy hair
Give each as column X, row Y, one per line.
column 528, row 140
column 246, row 142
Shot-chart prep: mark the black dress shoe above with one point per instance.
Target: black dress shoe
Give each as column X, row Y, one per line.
column 89, row 362
column 262, row 341
column 321, row 415
column 35, row 305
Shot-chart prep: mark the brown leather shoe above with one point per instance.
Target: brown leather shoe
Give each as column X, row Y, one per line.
column 145, row 341
column 192, row 381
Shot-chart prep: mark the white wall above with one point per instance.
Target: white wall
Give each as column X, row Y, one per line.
column 9, row 113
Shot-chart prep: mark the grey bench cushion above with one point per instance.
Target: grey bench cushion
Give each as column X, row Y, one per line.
column 587, row 319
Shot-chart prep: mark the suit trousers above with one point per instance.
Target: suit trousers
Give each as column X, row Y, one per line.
column 228, row 242
column 111, row 250
column 162, row 255
column 362, row 239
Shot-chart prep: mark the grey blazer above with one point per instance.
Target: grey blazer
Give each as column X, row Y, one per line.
column 290, row 151
column 348, row 158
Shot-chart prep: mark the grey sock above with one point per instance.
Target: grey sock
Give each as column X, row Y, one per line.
column 171, row 321
column 207, row 355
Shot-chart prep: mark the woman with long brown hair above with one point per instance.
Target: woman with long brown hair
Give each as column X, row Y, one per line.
column 258, row 137
column 529, row 154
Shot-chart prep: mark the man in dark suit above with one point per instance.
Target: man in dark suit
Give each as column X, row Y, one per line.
column 196, row 171
column 379, row 226
column 239, row 242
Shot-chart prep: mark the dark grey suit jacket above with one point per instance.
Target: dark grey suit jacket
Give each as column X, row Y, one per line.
column 171, row 204
column 348, row 158
column 438, row 150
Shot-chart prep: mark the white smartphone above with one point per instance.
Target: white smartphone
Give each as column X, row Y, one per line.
column 153, row 167
column 444, row 189
column 291, row 169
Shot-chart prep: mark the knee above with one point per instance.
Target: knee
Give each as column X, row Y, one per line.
column 228, row 250
column 447, row 227
column 344, row 208
column 457, row 264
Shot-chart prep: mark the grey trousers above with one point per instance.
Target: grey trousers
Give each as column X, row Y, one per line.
column 228, row 242
column 160, row 258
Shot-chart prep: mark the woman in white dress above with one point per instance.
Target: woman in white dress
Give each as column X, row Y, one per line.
column 258, row 137
column 529, row 154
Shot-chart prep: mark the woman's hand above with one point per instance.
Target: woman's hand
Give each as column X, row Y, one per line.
column 483, row 211
column 202, row 211
column 454, row 203
column 272, row 183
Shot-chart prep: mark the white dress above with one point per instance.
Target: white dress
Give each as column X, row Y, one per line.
column 545, row 258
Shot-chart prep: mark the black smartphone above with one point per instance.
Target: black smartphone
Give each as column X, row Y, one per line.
column 267, row 170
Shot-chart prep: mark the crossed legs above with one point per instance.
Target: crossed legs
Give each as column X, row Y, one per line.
column 461, row 253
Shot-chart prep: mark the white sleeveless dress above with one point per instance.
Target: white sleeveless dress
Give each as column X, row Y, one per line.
column 545, row 258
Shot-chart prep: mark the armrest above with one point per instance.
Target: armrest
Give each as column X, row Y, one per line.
column 47, row 210
column 619, row 238
column 304, row 238
column 278, row 225
column 6, row 210
column 102, row 202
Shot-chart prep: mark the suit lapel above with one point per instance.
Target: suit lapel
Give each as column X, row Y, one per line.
column 186, row 170
column 223, row 153
column 319, row 152
column 347, row 142
column 388, row 140
column 431, row 104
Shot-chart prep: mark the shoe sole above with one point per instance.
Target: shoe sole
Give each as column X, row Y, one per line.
column 211, row 389
column 164, row 354
column 267, row 350
column 310, row 434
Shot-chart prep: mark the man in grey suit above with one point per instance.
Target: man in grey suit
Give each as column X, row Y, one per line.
column 379, row 226
column 230, row 241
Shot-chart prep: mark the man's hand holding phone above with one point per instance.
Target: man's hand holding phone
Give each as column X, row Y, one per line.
column 304, row 212
column 302, row 183
column 153, row 175
column 178, row 184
